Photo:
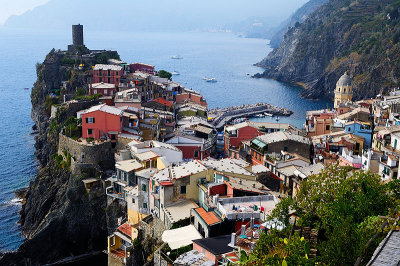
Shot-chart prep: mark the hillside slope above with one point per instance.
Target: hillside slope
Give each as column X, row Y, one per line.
column 358, row 36
column 299, row 16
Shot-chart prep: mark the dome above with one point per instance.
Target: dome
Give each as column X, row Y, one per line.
column 344, row 81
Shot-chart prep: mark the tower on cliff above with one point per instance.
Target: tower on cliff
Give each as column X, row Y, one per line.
column 77, row 45
column 343, row 91
column 77, row 35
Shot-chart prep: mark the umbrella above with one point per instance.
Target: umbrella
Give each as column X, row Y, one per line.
column 243, row 236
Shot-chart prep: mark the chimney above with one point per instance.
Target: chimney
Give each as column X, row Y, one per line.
column 233, row 240
column 252, row 223
column 243, row 229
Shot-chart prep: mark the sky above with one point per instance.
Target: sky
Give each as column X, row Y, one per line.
column 17, row 7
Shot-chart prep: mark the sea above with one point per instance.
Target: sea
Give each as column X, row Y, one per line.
column 223, row 56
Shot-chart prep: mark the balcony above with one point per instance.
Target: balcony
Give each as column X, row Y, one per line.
column 110, row 192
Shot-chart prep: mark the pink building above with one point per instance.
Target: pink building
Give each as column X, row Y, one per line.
column 106, row 89
column 107, row 74
column 142, row 68
column 101, row 121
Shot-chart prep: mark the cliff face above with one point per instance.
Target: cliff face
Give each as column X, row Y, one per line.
column 299, row 16
column 361, row 37
column 60, row 218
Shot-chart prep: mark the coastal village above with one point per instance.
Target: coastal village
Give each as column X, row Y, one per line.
column 201, row 183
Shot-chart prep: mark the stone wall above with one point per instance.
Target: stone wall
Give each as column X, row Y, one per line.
column 152, row 227
column 82, row 153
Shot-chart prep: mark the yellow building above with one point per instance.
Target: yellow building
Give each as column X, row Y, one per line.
column 343, row 91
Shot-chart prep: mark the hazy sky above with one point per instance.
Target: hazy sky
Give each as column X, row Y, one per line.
column 17, row 7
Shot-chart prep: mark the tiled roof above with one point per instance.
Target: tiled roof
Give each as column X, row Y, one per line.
column 388, row 251
column 163, row 102
column 226, row 165
column 282, row 136
column 102, row 85
column 144, row 156
column 104, row 108
column 128, row 165
column 107, row 67
column 209, row 217
column 126, row 229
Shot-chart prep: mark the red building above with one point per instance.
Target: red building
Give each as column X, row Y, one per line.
column 234, row 135
column 101, row 121
column 107, row 74
column 106, row 89
column 190, row 97
column 192, row 147
column 142, row 68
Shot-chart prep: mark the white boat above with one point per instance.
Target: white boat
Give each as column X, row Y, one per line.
column 175, row 73
column 212, row 80
column 176, row 57
column 268, row 114
column 277, row 118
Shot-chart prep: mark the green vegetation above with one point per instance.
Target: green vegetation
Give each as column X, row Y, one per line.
column 164, row 74
column 80, row 94
column 71, row 128
column 59, row 159
column 344, row 207
column 102, row 58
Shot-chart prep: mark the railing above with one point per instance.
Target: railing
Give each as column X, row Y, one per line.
column 110, row 192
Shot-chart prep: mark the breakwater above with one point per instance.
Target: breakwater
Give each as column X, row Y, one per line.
column 222, row 116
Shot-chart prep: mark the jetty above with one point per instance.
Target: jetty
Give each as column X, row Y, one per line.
column 223, row 116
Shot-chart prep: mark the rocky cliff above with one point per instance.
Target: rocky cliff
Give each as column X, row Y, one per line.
column 298, row 17
column 358, row 36
column 59, row 217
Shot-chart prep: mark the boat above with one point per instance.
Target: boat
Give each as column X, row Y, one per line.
column 176, row 57
column 26, row 88
column 277, row 118
column 268, row 114
column 211, row 80
column 175, row 73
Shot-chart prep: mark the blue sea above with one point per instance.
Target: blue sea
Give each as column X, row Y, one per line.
column 222, row 56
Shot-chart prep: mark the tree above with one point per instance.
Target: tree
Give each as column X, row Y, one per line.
column 344, row 206
column 164, row 74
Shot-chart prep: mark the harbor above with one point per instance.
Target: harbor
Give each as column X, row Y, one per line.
column 222, row 116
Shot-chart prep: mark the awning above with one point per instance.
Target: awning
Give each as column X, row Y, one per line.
column 123, row 237
column 259, row 143
column 180, row 237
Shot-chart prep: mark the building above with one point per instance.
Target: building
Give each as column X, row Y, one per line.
column 213, row 248
column 107, row 74
column 235, row 134
column 101, row 121
column 192, row 147
column 105, row 89
column 343, row 91
column 129, row 98
column 319, row 122
column 145, row 68
column 388, row 167
column 275, row 143
column 362, row 129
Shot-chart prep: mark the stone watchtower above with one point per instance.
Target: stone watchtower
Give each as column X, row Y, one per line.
column 77, row 45
column 343, row 91
column 77, row 35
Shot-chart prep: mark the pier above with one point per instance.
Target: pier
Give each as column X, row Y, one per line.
column 225, row 115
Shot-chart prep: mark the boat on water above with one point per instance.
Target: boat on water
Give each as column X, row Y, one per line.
column 176, row 57
column 26, row 88
column 175, row 73
column 277, row 118
column 211, row 80
column 268, row 114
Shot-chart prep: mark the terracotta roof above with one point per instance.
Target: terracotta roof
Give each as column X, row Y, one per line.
column 163, row 101
column 126, row 229
column 209, row 217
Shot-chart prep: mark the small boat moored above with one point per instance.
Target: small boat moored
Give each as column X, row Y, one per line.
column 176, row 57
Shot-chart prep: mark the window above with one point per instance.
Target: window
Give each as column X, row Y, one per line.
column 109, row 72
column 90, row 120
column 125, row 176
column 109, row 80
column 112, row 240
column 348, row 129
column 183, row 189
column 116, row 73
column 133, row 200
column 285, row 148
column 90, row 131
column 117, row 79
column 119, row 175
column 144, row 188
column 100, row 80
column 100, row 72
column 94, row 91
column 144, row 205
column 196, row 154
column 105, row 92
column 327, row 127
